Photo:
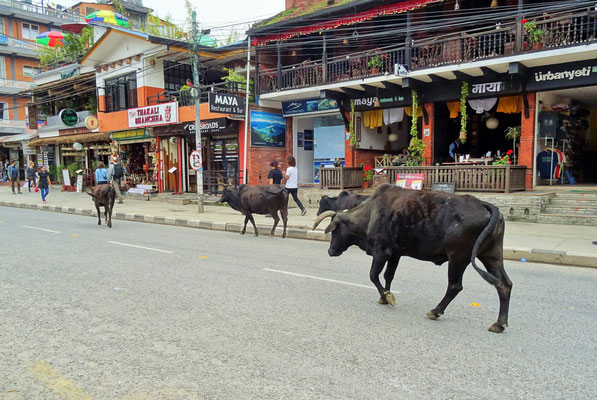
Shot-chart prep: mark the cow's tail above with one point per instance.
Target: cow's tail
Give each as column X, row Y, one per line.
column 493, row 221
column 91, row 194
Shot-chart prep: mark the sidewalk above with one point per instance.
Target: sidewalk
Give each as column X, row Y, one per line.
column 555, row 244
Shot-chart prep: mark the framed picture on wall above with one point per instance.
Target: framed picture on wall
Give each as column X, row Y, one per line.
column 299, row 139
column 308, row 140
column 357, row 129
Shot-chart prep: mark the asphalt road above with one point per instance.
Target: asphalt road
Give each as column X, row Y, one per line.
column 197, row 314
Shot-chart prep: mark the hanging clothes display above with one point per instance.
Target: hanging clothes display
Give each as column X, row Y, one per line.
column 393, row 115
column 510, row 104
column 373, row 119
column 454, row 108
column 482, row 105
column 409, row 111
column 550, row 163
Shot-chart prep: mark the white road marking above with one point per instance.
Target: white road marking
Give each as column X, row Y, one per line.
column 141, row 247
column 320, row 279
column 40, row 229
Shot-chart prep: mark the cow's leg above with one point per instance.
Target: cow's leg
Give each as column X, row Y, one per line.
column 495, row 266
column 456, row 268
column 389, row 276
column 245, row 227
column 376, row 268
column 250, row 216
column 111, row 204
column 106, row 214
column 284, row 214
column 99, row 214
column 274, row 215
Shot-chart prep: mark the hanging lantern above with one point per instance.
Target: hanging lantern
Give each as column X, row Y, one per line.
column 494, row 4
column 393, row 137
column 492, row 123
column 376, row 103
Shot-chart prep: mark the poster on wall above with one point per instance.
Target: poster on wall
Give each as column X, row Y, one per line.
column 410, row 181
column 267, row 129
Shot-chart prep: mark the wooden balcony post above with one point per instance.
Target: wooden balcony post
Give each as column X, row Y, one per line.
column 408, row 44
column 279, row 66
column 507, row 180
column 257, row 77
column 324, row 59
column 519, row 30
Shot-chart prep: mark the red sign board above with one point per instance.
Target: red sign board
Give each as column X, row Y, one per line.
column 410, row 181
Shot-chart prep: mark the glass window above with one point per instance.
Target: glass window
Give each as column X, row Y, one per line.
column 30, row 31
column 2, row 67
column 3, row 110
column 30, row 71
column 176, row 74
column 2, row 26
column 121, row 93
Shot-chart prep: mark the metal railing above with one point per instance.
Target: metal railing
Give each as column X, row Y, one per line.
column 21, row 5
column 12, row 123
column 502, row 38
column 341, row 177
column 214, row 181
column 9, row 83
column 185, row 98
column 476, row 178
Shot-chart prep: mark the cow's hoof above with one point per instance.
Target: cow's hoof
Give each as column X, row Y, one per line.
column 256, row 235
column 433, row 315
column 382, row 300
column 242, row 232
column 497, row 328
column 390, row 298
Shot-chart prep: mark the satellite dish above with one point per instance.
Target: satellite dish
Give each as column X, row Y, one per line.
column 77, row 146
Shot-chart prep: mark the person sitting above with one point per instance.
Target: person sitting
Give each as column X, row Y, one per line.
column 403, row 156
column 454, row 148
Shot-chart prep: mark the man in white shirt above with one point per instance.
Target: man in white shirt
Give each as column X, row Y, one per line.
column 291, row 176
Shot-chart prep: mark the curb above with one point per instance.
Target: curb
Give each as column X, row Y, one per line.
column 510, row 253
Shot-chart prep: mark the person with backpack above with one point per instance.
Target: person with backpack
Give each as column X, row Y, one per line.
column 115, row 174
column 13, row 175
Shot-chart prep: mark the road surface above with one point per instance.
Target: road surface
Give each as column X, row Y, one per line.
column 146, row 311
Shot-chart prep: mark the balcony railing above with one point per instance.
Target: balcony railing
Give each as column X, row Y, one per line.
column 21, row 5
column 184, row 97
column 9, row 83
column 12, row 123
column 499, row 40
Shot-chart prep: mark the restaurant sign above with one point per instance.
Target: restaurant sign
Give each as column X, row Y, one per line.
column 155, row 115
column 130, row 134
column 226, row 104
column 562, row 76
column 214, row 127
column 367, row 103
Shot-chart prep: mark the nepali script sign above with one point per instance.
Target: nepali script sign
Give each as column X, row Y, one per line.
column 159, row 114
column 491, row 87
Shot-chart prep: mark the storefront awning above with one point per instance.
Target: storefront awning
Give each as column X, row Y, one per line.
column 82, row 138
column 18, row 138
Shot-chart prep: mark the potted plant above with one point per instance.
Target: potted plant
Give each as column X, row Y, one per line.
column 534, row 34
column 337, row 162
column 367, row 175
column 513, row 134
column 375, row 64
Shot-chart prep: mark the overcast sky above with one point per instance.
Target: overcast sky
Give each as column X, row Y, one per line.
column 211, row 13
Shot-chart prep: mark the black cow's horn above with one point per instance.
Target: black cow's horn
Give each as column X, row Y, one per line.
column 322, row 216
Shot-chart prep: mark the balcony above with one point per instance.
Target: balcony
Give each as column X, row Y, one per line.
column 38, row 13
column 500, row 40
column 184, row 97
column 9, row 86
column 12, row 126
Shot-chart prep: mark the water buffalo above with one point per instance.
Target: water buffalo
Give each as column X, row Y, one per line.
column 428, row 226
column 267, row 199
column 344, row 201
column 103, row 196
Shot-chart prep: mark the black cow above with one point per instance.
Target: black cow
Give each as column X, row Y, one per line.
column 344, row 201
column 429, row 226
column 103, row 196
column 267, row 199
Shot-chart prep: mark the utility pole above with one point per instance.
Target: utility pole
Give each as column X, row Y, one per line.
column 197, row 95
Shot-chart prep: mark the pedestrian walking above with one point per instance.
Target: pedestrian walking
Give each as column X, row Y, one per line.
column 291, row 176
column 275, row 175
column 13, row 174
column 101, row 174
column 115, row 175
column 43, row 183
column 31, row 175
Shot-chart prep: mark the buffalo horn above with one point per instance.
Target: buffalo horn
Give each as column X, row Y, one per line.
column 322, row 216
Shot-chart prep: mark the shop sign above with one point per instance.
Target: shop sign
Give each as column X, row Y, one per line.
column 91, row 122
column 28, row 150
column 226, row 103
column 214, row 127
column 308, row 106
column 130, row 134
column 159, row 114
column 68, row 117
column 410, row 181
column 367, row 103
column 267, row 129
column 561, row 76
column 490, row 87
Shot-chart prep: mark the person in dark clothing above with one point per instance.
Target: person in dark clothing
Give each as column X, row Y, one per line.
column 43, row 183
column 13, row 175
column 31, row 175
column 275, row 175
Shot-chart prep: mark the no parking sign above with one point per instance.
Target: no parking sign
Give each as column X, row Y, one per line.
column 195, row 160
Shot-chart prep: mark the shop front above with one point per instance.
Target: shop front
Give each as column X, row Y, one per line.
column 138, row 152
column 566, row 125
column 318, row 135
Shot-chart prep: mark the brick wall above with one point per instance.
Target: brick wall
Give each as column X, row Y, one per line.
column 527, row 141
column 367, row 157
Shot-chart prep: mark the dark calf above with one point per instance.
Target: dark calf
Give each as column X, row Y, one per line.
column 344, row 201
column 103, row 196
